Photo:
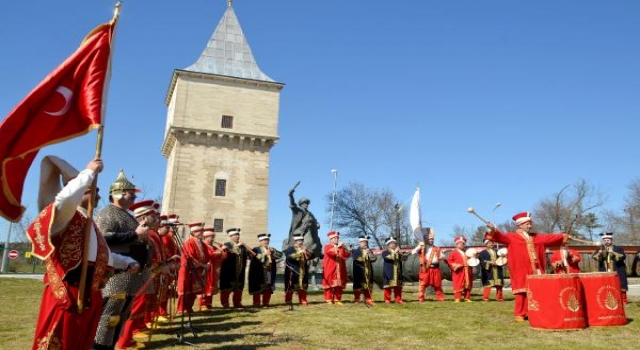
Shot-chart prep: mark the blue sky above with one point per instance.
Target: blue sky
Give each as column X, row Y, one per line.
column 477, row 101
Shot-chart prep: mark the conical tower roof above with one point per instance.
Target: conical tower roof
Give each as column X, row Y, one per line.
column 228, row 52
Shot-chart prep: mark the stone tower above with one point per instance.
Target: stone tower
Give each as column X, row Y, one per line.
column 222, row 121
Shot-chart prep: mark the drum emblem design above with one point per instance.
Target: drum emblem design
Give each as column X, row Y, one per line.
column 570, row 299
column 608, row 297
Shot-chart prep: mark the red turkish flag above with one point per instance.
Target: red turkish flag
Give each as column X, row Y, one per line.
column 66, row 104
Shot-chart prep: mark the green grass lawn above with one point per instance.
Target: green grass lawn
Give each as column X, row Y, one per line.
column 429, row 325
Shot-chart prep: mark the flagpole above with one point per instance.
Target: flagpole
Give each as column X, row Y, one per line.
column 92, row 189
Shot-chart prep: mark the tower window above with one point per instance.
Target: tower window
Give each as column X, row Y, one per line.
column 221, row 188
column 227, row 122
column 218, row 224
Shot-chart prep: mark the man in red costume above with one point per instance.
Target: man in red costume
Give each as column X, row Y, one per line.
column 526, row 256
column 144, row 302
column 216, row 253
column 565, row 260
column 193, row 266
column 170, row 247
column 461, row 272
column 334, row 272
column 62, row 223
column 430, row 274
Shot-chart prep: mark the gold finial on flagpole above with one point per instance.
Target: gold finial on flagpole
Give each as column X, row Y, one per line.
column 116, row 12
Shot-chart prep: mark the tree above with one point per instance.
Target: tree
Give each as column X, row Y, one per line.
column 363, row 211
column 566, row 210
column 590, row 224
column 627, row 223
column 478, row 236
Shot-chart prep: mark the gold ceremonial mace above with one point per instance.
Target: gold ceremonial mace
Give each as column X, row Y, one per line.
column 92, row 190
column 471, row 210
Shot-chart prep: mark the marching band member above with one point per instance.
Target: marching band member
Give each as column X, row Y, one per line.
column 233, row 271
column 491, row 273
column 144, row 302
column 392, row 272
column 334, row 273
column 193, row 267
column 262, row 271
column 363, row 271
column 216, row 254
column 167, row 232
column 430, row 274
column 126, row 236
column 296, row 274
column 461, row 272
column 612, row 259
column 565, row 260
column 526, row 256
column 61, row 223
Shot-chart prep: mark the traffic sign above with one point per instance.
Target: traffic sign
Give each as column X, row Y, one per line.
column 13, row 254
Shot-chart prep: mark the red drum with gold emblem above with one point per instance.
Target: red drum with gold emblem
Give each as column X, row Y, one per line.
column 603, row 299
column 555, row 302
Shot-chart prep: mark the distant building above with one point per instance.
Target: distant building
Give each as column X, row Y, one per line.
column 222, row 120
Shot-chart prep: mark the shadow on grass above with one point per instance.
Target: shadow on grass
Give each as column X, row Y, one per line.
column 226, row 340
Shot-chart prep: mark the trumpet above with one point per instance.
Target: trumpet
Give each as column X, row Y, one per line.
column 247, row 248
column 218, row 246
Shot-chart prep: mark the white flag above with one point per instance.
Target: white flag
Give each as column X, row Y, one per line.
column 414, row 215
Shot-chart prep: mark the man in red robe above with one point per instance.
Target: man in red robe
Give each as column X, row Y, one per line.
column 216, row 253
column 168, row 233
column 430, row 273
column 193, row 266
column 461, row 272
column 334, row 272
column 62, row 223
column 526, row 256
column 144, row 303
column 565, row 260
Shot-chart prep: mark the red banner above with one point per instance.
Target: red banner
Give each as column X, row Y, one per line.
column 68, row 103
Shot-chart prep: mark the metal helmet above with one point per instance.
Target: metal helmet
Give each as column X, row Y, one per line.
column 122, row 184
column 303, row 200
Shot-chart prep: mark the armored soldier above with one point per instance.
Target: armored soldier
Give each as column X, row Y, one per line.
column 126, row 236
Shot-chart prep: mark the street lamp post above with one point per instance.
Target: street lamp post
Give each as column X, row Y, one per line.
column 333, row 199
column 493, row 218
